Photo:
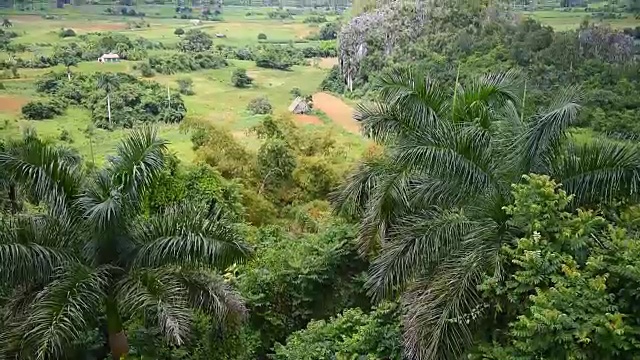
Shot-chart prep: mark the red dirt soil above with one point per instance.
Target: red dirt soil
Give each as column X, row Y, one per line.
column 12, row 104
column 337, row 110
column 308, row 119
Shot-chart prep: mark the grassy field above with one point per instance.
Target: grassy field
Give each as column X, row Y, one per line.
column 565, row 20
column 215, row 99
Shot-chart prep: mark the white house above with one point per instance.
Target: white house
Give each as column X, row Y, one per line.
column 109, row 58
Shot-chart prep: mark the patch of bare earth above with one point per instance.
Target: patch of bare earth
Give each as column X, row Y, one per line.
column 12, row 104
column 337, row 110
column 328, row 63
column 308, row 119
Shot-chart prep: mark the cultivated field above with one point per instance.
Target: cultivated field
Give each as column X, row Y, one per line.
column 215, row 99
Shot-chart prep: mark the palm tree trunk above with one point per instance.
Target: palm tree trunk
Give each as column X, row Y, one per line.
column 118, row 342
column 13, row 199
column 109, row 108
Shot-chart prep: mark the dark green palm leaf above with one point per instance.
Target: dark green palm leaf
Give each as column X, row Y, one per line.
column 61, row 311
column 186, row 235
column 159, row 294
column 139, row 159
column 208, row 291
column 600, row 170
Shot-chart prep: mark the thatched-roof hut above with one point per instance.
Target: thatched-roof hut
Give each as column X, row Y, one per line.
column 299, row 106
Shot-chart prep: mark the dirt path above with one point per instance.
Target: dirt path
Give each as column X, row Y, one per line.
column 337, row 110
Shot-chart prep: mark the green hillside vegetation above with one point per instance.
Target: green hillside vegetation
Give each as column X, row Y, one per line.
column 462, row 184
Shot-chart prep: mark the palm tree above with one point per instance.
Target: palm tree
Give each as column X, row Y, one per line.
column 6, row 23
column 108, row 82
column 68, row 62
column 91, row 254
column 431, row 206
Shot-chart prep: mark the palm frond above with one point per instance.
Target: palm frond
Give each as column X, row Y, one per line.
column 208, row 292
column 418, row 242
column 538, row 147
column 408, row 100
column 389, row 202
column 442, row 305
column 599, row 171
column 32, row 248
column 463, row 156
column 140, row 157
column 103, row 204
column 352, row 197
column 159, row 294
column 50, row 173
column 61, row 312
column 186, row 235
column 485, row 96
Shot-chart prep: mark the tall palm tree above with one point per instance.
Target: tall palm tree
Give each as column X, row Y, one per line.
column 431, row 206
column 108, row 82
column 92, row 254
column 68, row 62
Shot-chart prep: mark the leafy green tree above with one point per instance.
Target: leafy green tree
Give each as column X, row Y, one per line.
column 179, row 32
column 90, row 255
column 195, row 40
column 568, row 286
column 108, row 82
column 297, row 278
column 240, row 79
column 353, row 334
column 432, row 205
column 68, row 61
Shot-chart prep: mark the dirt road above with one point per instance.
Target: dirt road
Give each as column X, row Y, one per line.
column 337, row 110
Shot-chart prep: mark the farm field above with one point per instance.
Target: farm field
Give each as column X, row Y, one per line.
column 214, row 100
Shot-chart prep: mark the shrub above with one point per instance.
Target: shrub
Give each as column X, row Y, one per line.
column 196, row 41
column 260, row 106
column 65, row 136
column 315, row 19
column 276, row 57
column 181, row 62
column 262, row 36
column 2, row 87
column 146, row 70
column 185, row 86
column 240, row 79
column 40, row 110
column 295, row 92
column 179, row 32
column 64, row 33
column 329, row 31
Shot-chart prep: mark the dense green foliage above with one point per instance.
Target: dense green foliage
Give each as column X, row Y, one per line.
column 240, row 79
column 89, row 260
column 133, row 101
column 478, row 224
column 570, row 283
column 460, row 42
column 351, row 335
column 431, row 207
column 260, row 106
column 185, row 62
column 195, row 40
column 40, row 110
